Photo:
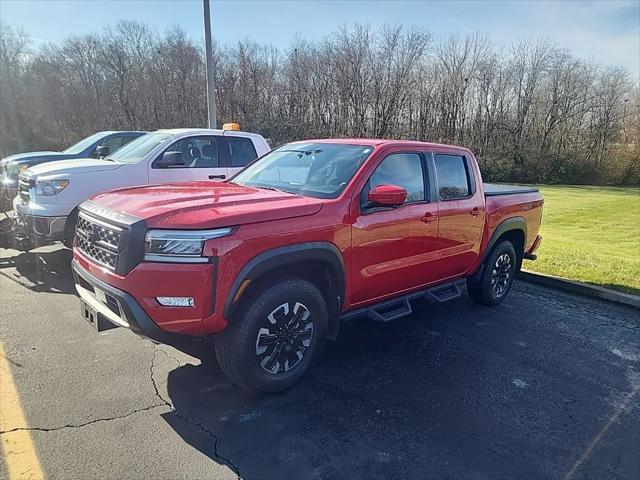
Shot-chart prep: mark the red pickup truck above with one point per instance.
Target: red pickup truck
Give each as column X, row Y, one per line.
column 310, row 234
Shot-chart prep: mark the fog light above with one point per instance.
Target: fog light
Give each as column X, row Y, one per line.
column 176, row 301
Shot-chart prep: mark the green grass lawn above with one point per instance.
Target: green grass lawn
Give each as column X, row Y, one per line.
column 591, row 234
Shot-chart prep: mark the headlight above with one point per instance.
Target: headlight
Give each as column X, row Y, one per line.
column 50, row 187
column 183, row 246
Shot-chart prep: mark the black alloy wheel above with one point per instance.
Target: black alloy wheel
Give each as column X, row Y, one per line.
column 274, row 336
column 497, row 276
column 501, row 274
column 284, row 338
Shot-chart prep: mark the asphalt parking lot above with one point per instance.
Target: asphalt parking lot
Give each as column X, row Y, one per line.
column 544, row 386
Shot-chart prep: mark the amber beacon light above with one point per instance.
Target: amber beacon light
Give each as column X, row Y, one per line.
column 231, row 126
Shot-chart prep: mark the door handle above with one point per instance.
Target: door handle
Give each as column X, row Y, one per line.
column 475, row 212
column 221, row 177
column 428, row 218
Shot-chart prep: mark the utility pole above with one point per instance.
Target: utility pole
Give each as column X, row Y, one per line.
column 211, row 89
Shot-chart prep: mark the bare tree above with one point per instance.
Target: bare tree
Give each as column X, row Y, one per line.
column 532, row 112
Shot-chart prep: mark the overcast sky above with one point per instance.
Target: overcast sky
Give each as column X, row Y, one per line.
column 608, row 30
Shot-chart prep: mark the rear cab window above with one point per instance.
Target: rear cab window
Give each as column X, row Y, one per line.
column 453, row 176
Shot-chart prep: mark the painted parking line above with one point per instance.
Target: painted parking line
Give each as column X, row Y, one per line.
column 19, row 452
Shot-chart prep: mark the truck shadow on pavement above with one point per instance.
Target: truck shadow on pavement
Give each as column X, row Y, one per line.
column 454, row 391
column 357, row 414
column 42, row 270
column 429, row 396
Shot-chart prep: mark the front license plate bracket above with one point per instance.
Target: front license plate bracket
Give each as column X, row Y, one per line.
column 89, row 314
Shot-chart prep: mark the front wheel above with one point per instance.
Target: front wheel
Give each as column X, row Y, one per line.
column 70, row 229
column 275, row 337
column 497, row 277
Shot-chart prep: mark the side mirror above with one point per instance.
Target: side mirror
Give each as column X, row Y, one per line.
column 171, row 159
column 387, row 195
column 102, row 151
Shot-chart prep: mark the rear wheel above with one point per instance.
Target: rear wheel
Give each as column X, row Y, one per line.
column 274, row 338
column 497, row 277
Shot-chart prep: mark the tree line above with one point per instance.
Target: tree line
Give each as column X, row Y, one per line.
column 531, row 111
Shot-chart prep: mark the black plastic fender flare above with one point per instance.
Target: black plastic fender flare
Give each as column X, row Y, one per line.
column 513, row 223
column 282, row 256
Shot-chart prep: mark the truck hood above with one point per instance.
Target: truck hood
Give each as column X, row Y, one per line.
column 201, row 205
column 19, row 157
column 12, row 164
column 73, row 167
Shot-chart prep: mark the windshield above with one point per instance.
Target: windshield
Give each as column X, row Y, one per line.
column 84, row 143
column 319, row 170
column 137, row 149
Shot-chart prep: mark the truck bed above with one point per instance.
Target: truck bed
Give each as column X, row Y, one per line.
column 493, row 189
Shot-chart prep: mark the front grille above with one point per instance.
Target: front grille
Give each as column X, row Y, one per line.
column 24, row 184
column 98, row 240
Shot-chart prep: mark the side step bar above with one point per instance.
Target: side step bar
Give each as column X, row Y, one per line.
column 398, row 310
column 446, row 292
column 401, row 307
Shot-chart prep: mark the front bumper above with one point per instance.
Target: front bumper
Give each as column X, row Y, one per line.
column 42, row 229
column 39, row 228
column 7, row 194
column 116, row 306
column 149, row 280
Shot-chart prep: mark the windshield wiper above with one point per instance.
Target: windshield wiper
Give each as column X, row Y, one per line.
column 303, row 152
column 271, row 188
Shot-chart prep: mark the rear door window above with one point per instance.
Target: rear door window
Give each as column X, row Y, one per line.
column 241, row 150
column 452, row 176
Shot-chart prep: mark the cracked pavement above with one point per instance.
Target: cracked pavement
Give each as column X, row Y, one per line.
column 543, row 386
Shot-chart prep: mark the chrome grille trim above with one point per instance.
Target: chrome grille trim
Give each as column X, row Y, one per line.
column 24, row 185
column 98, row 240
column 102, row 223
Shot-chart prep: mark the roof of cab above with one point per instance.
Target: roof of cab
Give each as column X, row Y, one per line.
column 190, row 130
column 375, row 142
column 111, row 132
column 206, row 131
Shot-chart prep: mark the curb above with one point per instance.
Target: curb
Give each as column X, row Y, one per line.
column 580, row 288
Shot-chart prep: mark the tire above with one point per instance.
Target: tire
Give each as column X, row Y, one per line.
column 497, row 277
column 263, row 318
column 70, row 229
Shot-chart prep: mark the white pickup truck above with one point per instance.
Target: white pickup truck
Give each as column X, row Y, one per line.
column 49, row 194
